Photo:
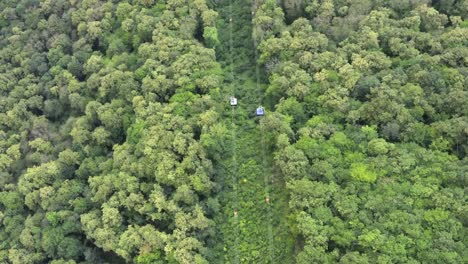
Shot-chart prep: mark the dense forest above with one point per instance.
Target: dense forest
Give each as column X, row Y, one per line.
column 118, row 143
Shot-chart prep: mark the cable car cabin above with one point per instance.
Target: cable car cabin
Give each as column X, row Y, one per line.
column 233, row 101
column 260, row 111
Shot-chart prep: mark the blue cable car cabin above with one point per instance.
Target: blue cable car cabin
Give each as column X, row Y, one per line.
column 260, row 111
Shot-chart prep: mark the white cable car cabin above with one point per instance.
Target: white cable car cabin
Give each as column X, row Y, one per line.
column 233, row 101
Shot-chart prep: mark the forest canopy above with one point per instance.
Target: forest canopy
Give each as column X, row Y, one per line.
column 118, row 143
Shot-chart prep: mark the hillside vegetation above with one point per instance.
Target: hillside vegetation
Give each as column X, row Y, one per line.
column 118, row 143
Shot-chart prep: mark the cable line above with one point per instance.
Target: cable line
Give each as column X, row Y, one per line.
column 266, row 176
column 234, row 144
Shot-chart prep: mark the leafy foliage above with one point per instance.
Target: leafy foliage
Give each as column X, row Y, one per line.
column 366, row 171
column 117, row 145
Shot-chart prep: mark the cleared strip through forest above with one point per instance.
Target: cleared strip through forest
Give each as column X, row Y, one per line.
column 253, row 224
